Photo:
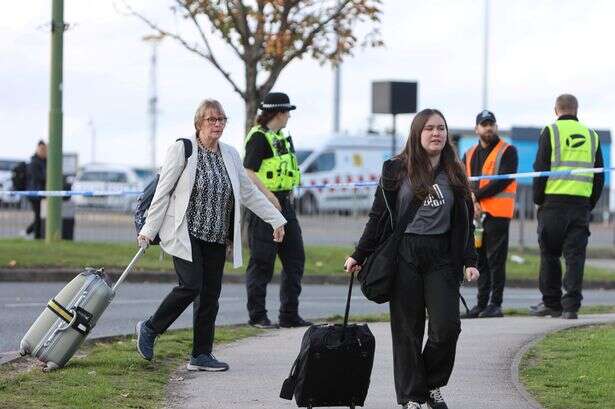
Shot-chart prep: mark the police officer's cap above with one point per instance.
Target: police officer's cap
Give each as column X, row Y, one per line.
column 276, row 101
column 485, row 116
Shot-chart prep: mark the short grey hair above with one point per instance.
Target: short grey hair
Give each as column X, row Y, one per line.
column 567, row 103
column 204, row 106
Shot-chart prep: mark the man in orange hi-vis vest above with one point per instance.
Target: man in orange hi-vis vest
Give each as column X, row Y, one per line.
column 494, row 206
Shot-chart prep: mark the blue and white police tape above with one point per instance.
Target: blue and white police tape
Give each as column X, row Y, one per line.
column 103, row 193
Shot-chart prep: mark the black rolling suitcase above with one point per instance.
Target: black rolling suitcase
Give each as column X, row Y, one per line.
column 334, row 365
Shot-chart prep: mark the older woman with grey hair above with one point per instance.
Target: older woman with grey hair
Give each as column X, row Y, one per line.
column 195, row 211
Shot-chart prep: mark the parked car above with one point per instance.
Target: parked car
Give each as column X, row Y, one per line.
column 342, row 159
column 6, row 184
column 109, row 178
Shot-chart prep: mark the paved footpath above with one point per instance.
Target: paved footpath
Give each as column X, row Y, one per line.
column 483, row 378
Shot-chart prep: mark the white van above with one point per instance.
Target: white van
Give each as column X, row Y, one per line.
column 342, row 159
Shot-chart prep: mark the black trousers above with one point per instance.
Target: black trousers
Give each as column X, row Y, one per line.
column 425, row 280
column 200, row 282
column 36, row 225
column 492, row 260
column 263, row 252
column 562, row 230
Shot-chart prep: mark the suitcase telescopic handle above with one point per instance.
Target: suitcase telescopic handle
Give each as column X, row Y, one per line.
column 128, row 268
column 347, row 312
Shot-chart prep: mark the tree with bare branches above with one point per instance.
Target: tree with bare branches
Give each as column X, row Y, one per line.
column 266, row 35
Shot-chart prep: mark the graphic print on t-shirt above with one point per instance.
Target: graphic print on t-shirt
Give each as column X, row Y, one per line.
column 435, row 201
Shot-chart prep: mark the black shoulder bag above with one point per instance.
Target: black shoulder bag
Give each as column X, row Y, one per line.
column 378, row 272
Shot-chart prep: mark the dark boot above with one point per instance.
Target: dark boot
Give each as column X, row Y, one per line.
column 542, row 310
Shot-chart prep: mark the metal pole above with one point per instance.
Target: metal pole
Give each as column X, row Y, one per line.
column 336, row 98
column 153, row 99
column 54, row 157
column 486, row 57
column 153, row 109
column 336, row 84
column 522, row 206
column 394, row 136
column 93, row 137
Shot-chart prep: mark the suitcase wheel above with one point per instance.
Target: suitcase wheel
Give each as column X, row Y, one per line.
column 50, row 366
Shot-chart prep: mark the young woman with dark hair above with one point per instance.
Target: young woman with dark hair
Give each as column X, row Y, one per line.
column 435, row 251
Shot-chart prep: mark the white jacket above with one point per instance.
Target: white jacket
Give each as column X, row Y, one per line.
column 167, row 213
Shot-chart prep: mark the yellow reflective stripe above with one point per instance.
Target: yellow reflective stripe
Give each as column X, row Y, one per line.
column 59, row 310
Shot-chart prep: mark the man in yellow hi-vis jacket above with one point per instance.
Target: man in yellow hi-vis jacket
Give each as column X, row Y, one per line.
column 565, row 204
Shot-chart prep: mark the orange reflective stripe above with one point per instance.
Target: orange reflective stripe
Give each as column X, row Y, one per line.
column 502, row 204
column 469, row 156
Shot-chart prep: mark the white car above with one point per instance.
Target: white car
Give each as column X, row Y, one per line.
column 6, row 183
column 108, row 178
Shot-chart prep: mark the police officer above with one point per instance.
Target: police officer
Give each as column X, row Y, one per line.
column 271, row 164
column 494, row 204
column 565, row 204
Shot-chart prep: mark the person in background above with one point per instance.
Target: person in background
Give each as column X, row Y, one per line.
column 435, row 253
column 564, row 207
column 494, row 206
column 37, row 180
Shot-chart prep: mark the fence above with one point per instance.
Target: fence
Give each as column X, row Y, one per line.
column 339, row 222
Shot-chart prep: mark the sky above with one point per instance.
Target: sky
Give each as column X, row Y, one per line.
column 537, row 50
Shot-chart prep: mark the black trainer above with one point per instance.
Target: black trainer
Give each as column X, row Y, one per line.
column 294, row 322
column 570, row 315
column 435, row 400
column 206, row 362
column 474, row 311
column 492, row 311
column 262, row 323
column 541, row 310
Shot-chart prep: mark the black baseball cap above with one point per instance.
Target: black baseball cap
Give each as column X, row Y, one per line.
column 484, row 116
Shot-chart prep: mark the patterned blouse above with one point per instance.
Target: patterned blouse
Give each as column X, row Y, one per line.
column 211, row 201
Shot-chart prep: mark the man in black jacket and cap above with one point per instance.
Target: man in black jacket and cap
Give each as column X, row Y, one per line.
column 37, row 180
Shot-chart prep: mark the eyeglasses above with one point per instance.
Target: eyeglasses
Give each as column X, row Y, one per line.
column 212, row 120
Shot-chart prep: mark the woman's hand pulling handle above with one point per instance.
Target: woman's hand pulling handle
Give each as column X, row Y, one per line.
column 143, row 241
column 472, row 274
column 278, row 234
column 351, row 265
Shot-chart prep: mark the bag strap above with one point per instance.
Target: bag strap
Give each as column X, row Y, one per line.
column 187, row 147
column 187, row 154
column 408, row 215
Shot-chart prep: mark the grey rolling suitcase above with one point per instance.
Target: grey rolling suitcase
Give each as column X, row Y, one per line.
column 70, row 316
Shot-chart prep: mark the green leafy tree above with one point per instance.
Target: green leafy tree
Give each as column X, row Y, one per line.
column 267, row 35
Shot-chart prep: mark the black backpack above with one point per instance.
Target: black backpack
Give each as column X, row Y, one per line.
column 145, row 199
column 19, row 176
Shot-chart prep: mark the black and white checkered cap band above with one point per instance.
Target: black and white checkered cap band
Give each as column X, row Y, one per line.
column 274, row 106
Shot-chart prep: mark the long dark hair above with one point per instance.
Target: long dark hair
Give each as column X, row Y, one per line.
column 416, row 162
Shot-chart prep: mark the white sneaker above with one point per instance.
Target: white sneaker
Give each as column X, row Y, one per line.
column 411, row 405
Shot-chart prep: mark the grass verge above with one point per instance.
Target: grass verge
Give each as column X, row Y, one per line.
column 572, row 369
column 105, row 374
column 325, row 260
column 509, row 312
column 18, row 253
